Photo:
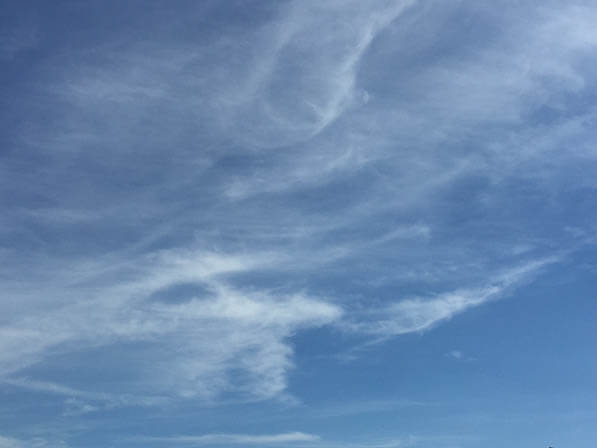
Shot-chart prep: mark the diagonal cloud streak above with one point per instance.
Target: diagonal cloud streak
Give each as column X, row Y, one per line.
column 421, row 314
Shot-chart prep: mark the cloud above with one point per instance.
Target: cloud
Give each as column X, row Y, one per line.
column 79, row 401
column 421, row 314
column 6, row 442
column 303, row 81
column 363, row 407
column 37, row 442
column 251, row 328
column 239, row 439
column 180, row 208
column 455, row 354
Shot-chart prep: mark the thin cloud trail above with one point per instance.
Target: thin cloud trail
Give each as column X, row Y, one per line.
column 417, row 315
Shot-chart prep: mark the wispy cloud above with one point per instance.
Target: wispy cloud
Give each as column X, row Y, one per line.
column 238, row 439
column 183, row 205
column 251, row 328
column 9, row 442
column 81, row 401
column 286, row 103
column 420, row 314
column 6, row 442
column 455, row 354
column 363, row 407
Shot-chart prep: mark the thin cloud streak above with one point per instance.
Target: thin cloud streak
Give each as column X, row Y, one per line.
column 421, row 314
column 238, row 439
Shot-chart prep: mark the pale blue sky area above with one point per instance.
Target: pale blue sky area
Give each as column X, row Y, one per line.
column 309, row 224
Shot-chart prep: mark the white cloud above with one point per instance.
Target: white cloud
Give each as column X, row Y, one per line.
column 420, row 314
column 81, row 401
column 303, row 79
column 455, row 354
column 279, row 110
column 348, row 407
column 239, row 439
column 37, row 442
column 206, row 337
column 7, row 442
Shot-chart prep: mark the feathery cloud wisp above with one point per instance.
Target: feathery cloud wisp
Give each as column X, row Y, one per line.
column 420, row 314
column 239, row 439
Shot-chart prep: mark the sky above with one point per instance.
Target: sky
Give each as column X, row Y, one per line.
column 298, row 223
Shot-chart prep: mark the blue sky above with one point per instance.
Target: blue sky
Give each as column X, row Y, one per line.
column 310, row 224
